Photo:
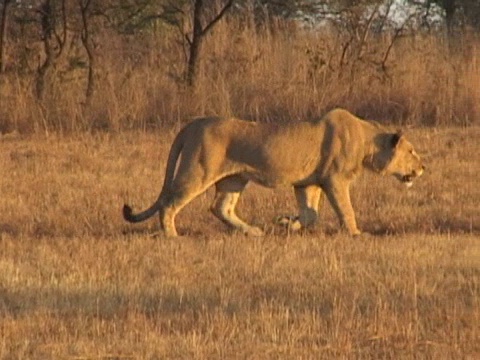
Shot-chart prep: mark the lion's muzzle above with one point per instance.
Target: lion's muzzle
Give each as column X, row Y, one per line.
column 408, row 179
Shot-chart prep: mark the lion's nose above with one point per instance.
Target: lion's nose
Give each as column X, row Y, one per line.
column 420, row 172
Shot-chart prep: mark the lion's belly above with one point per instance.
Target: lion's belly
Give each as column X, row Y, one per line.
column 280, row 174
column 278, row 159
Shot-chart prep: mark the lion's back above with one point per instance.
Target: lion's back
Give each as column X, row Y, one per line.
column 211, row 140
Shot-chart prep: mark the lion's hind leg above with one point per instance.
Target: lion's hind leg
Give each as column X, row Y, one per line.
column 228, row 192
column 175, row 200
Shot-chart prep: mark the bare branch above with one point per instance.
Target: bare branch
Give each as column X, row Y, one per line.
column 222, row 12
column 396, row 35
column 366, row 31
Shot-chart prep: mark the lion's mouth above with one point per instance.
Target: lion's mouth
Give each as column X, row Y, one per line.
column 407, row 180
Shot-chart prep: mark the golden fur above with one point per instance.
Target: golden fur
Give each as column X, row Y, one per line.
column 322, row 156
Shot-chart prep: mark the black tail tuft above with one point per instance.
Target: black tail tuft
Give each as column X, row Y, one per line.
column 127, row 213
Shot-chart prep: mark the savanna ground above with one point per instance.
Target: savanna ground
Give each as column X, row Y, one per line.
column 76, row 282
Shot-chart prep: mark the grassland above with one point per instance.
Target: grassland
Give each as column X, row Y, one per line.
column 276, row 73
column 76, row 282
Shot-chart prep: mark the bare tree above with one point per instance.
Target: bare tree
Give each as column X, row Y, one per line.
column 199, row 32
column 87, row 44
column 53, row 42
column 3, row 33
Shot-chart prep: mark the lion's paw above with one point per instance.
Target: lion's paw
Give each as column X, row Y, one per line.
column 254, row 231
column 290, row 222
column 361, row 235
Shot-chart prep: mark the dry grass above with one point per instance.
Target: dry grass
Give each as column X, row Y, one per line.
column 76, row 282
column 268, row 74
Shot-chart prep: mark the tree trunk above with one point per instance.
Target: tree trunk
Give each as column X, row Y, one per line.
column 3, row 34
column 198, row 35
column 449, row 6
column 47, row 22
column 195, row 44
column 87, row 44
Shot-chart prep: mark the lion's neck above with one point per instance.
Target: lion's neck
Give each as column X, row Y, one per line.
column 374, row 143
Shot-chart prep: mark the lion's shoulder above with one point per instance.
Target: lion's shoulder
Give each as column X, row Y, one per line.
column 343, row 119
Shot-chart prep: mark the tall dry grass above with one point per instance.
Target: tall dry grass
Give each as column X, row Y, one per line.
column 275, row 73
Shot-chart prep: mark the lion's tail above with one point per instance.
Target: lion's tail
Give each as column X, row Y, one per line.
column 173, row 156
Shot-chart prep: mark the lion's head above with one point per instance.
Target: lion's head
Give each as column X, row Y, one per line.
column 397, row 157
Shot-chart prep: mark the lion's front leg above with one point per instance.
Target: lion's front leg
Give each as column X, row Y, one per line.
column 308, row 199
column 338, row 193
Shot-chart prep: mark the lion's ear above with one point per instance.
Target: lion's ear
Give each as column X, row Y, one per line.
column 395, row 139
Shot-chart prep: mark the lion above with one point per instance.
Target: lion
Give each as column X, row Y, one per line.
column 315, row 157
